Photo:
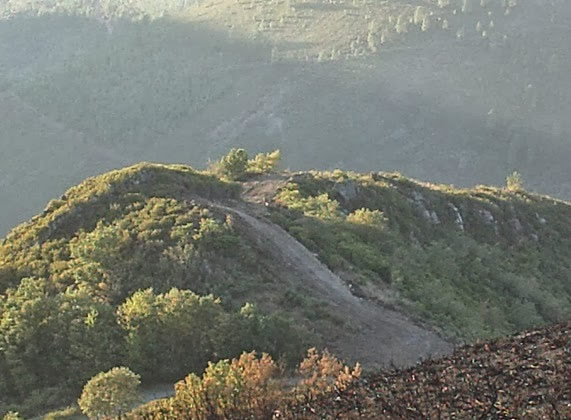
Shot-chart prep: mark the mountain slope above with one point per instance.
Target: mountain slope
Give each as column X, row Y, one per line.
column 384, row 335
column 390, row 270
column 470, row 260
column 356, row 85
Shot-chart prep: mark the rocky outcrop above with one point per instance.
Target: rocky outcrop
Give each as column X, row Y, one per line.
column 458, row 219
column 421, row 204
column 489, row 219
column 347, row 191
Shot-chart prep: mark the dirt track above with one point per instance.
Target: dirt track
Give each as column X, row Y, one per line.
column 381, row 336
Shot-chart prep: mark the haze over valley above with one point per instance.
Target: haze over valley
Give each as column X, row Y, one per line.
column 305, row 209
column 439, row 90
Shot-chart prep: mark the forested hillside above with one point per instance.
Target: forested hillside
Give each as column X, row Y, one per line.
column 455, row 91
column 136, row 266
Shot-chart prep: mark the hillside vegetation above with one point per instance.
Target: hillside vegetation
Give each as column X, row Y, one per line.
column 481, row 262
column 455, row 91
column 127, row 269
column 516, row 377
column 136, row 266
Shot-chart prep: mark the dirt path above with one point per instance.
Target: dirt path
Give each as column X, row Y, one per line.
column 380, row 336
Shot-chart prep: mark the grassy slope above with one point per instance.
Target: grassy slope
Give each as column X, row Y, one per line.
column 463, row 110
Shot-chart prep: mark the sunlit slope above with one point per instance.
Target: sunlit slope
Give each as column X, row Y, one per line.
column 477, row 262
column 377, row 267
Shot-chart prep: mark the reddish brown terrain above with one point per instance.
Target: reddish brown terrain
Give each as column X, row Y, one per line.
column 524, row 376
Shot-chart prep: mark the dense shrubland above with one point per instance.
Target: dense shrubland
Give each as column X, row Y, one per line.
column 140, row 268
column 479, row 263
column 123, row 271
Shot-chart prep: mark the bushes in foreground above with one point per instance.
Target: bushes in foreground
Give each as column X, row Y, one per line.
column 161, row 336
column 250, row 387
column 110, row 394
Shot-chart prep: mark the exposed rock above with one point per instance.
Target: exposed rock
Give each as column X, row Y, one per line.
column 418, row 197
column 356, row 290
column 346, row 191
column 429, row 215
column 540, row 219
column 426, row 214
column 434, row 218
column 489, row 219
column 458, row 219
column 516, row 225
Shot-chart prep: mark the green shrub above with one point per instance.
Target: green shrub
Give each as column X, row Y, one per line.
column 12, row 415
column 164, row 327
column 320, row 206
column 110, row 394
column 234, row 165
column 367, row 217
column 264, row 163
column 514, row 182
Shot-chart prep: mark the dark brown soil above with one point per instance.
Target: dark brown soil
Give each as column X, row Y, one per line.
column 524, row 376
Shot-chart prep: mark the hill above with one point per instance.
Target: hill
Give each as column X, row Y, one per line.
column 377, row 267
column 461, row 92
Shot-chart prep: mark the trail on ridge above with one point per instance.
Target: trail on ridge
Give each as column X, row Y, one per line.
column 379, row 335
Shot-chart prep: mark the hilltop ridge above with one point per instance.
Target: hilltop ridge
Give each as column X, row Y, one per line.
column 377, row 267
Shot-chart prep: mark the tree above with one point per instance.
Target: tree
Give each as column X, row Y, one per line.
column 110, row 394
column 178, row 326
column 514, row 182
column 48, row 340
column 234, row 165
column 237, row 388
column 264, row 163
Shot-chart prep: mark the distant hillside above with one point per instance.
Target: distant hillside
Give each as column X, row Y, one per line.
column 378, row 268
column 453, row 91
